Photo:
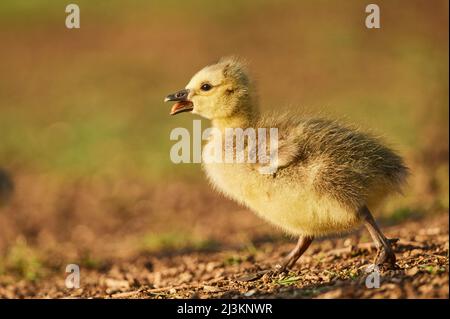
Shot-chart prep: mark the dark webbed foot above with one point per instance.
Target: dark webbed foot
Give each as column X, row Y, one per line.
column 253, row 276
column 385, row 257
column 274, row 272
column 385, row 254
column 289, row 262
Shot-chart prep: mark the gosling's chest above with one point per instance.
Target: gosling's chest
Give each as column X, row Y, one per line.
column 237, row 181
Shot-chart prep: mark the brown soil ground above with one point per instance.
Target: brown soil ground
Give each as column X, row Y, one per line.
column 134, row 239
column 331, row 268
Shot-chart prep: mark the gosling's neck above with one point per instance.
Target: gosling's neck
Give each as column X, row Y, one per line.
column 245, row 118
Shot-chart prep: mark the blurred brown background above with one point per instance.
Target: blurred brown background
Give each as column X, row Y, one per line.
column 84, row 135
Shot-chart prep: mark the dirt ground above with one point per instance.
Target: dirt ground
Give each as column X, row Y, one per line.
column 331, row 268
column 135, row 239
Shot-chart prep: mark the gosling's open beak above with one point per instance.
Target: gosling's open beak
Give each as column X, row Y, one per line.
column 182, row 105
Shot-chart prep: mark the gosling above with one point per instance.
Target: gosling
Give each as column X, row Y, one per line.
column 328, row 175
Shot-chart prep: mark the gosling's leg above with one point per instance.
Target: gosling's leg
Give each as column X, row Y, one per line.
column 385, row 254
column 290, row 260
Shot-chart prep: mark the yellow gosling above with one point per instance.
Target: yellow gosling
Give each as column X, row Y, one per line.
column 328, row 175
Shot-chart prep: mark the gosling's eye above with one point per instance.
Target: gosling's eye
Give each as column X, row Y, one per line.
column 206, row 87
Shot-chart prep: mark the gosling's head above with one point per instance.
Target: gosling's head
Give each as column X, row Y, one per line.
column 218, row 91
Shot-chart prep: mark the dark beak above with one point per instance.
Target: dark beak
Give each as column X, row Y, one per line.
column 182, row 105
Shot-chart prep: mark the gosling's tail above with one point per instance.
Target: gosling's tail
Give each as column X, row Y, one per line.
column 395, row 173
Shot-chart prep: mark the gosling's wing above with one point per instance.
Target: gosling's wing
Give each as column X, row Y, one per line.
column 289, row 138
column 288, row 151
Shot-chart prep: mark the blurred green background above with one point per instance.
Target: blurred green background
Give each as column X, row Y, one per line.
column 84, row 132
column 89, row 100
